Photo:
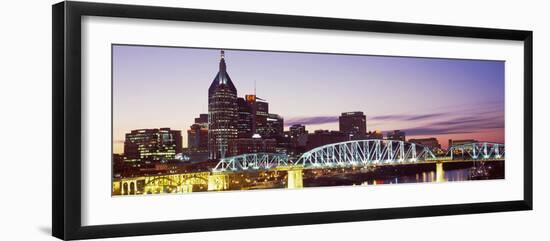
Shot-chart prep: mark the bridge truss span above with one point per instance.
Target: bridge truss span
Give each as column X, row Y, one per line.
column 252, row 161
column 477, row 151
column 365, row 152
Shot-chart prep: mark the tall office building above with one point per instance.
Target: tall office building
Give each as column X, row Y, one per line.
column 274, row 126
column 251, row 145
column 244, row 125
column 202, row 120
column 259, row 113
column 261, row 110
column 324, row 137
column 353, row 123
column 197, row 138
column 254, row 118
column 223, row 112
column 298, row 135
column 152, row 144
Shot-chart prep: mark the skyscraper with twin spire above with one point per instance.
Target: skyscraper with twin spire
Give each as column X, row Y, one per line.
column 222, row 112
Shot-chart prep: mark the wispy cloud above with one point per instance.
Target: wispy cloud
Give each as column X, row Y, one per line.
column 459, row 121
column 458, row 125
column 426, row 124
column 420, row 131
column 407, row 117
column 313, row 120
column 423, row 117
column 388, row 117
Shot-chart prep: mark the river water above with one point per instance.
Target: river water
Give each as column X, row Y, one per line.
column 415, row 174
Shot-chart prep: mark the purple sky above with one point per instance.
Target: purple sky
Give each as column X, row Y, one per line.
column 157, row 87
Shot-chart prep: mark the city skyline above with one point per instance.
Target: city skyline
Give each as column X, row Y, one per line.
column 443, row 98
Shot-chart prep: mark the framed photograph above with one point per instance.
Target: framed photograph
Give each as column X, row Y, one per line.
column 169, row 120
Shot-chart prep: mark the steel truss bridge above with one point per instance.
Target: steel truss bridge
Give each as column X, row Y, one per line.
column 365, row 152
column 359, row 153
column 254, row 161
column 477, row 151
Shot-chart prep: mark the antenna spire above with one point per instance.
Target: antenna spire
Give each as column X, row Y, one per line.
column 222, row 66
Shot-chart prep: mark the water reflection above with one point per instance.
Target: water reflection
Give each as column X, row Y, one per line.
column 431, row 176
column 447, row 172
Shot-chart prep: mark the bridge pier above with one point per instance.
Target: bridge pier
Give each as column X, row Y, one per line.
column 146, row 190
column 128, row 187
column 439, row 172
column 185, row 188
column 295, row 178
column 124, row 188
column 218, row 182
column 116, row 188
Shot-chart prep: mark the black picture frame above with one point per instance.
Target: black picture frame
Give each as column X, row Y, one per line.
column 66, row 158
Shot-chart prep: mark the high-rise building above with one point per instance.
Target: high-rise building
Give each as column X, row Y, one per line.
column 353, row 123
column 396, row 135
column 254, row 118
column 283, row 144
column 259, row 113
column 324, row 137
column 152, row 144
column 202, row 120
column 296, row 138
column 298, row 135
column 274, row 126
column 297, row 129
column 251, row 145
column 197, row 138
column 244, row 126
column 223, row 112
column 261, row 110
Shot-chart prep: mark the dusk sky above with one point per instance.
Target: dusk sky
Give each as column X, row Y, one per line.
column 156, row 87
